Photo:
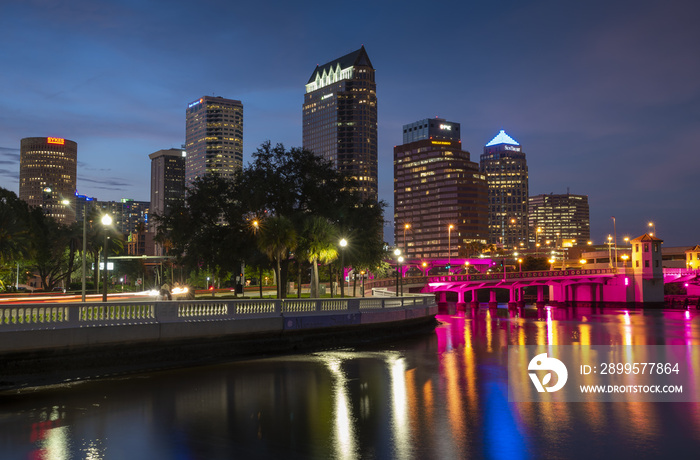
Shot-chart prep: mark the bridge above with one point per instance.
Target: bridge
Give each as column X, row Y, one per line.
column 563, row 285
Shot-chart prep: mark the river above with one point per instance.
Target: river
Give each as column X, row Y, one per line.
column 438, row 396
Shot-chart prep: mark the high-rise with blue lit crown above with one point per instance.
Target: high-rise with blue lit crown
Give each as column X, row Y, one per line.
column 505, row 167
column 340, row 118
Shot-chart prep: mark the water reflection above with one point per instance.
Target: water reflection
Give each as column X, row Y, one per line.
column 437, row 396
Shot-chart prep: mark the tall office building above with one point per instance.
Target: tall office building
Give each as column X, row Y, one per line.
column 126, row 213
column 436, row 186
column 505, row 167
column 556, row 218
column 214, row 137
column 47, row 175
column 340, row 118
column 167, row 180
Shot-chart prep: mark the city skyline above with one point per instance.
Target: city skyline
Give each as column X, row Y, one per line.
column 603, row 95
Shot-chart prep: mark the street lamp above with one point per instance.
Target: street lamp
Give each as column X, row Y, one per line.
column 106, row 222
column 401, row 275
column 520, row 263
column 551, row 264
column 449, row 246
column 362, row 273
column 343, row 243
column 466, row 267
column 653, row 228
column 624, row 258
column 405, row 227
column 397, row 253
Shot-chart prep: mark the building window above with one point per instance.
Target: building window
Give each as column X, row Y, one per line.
column 646, row 264
column 646, row 247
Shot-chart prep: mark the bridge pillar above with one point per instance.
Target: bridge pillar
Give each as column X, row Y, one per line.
column 540, row 296
column 513, row 299
column 521, row 297
column 475, row 299
column 493, row 303
column 461, row 301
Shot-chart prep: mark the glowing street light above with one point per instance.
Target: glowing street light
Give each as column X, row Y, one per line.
column 106, row 222
column 343, row 243
column 406, row 226
column 449, row 245
column 652, row 225
column 624, row 258
column 520, row 263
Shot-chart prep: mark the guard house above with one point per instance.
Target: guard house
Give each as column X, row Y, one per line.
column 647, row 270
column 692, row 257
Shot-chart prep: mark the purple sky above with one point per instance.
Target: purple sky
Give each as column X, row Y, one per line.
column 604, row 96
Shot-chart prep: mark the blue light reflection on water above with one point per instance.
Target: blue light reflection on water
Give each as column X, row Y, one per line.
column 442, row 395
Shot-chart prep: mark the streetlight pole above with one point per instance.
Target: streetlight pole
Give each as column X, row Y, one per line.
column 397, row 253
column 653, row 228
column 615, row 240
column 343, row 244
column 405, row 227
column 401, row 275
column 84, row 247
column 106, row 222
column 449, row 247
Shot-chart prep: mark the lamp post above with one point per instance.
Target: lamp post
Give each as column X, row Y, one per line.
column 362, row 273
column 624, row 258
column 405, row 227
column 400, row 275
column 343, row 243
column 610, row 251
column 397, row 253
column 615, row 233
column 652, row 225
column 520, row 263
column 449, row 246
column 106, row 222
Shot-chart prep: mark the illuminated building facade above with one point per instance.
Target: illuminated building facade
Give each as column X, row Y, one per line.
column 437, row 185
column 505, row 167
column 214, row 137
column 340, row 118
column 167, row 180
column 554, row 218
column 126, row 213
column 47, row 175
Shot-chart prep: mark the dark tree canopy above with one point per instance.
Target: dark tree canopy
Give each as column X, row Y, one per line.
column 214, row 227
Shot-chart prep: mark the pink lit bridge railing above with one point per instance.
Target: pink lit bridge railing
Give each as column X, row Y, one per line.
column 531, row 275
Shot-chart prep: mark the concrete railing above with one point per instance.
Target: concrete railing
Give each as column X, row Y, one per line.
column 35, row 317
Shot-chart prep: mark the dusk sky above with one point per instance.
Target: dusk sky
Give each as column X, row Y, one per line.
column 603, row 96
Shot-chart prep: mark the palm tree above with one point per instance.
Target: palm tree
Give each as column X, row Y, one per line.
column 276, row 238
column 318, row 245
column 14, row 237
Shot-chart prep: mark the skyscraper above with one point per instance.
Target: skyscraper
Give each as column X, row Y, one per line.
column 47, row 175
column 340, row 118
column 214, row 137
column 436, row 186
column 505, row 167
column 167, row 180
column 555, row 218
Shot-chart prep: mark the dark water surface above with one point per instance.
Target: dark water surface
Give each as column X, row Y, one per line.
column 438, row 396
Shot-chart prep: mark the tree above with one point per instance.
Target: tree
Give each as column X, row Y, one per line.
column 276, row 238
column 318, row 244
column 14, row 229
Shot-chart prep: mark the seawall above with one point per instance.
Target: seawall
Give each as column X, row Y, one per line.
column 54, row 343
